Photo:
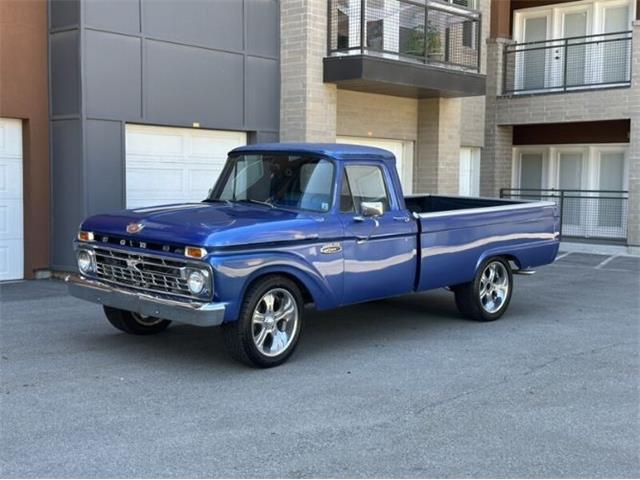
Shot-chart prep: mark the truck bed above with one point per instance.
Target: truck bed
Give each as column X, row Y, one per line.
column 421, row 204
column 456, row 234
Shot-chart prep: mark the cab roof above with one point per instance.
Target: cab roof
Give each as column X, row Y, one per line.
column 338, row 151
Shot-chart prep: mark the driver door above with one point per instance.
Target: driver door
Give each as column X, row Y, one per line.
column 379, row 250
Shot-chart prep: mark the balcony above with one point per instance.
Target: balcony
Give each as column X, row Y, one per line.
column 411, row 48
column 568, row 64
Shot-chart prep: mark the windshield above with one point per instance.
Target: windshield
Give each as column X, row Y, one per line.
column 279, row 180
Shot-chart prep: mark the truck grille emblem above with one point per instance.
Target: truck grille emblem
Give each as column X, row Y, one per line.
column 134, row 227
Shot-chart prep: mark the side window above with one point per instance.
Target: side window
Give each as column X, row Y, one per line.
column 346, row 200
column 367, row 185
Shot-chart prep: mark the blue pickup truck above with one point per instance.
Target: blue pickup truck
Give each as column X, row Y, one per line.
column 288, row 226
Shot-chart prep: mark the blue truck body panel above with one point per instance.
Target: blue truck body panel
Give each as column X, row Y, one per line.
column 409, row 249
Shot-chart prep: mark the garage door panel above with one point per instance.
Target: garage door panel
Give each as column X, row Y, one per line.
column 201, row 180
column 11, row 219
column 182, row 172
column 159, row 142
column 11, row 209
column 10, row 178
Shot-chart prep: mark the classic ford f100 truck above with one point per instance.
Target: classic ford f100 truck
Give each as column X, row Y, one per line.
column 294, row 225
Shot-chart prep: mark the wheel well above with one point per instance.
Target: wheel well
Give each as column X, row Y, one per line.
column 304, row 291
column 512, row 260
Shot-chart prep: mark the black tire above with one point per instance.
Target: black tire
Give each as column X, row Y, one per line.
column 135, row 324
column 239, row 335
column 468, row 295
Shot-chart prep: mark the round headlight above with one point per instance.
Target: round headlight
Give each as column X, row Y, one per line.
column 196, row 282
column 85, row 262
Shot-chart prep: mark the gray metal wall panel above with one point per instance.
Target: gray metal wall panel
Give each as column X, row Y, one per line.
column 262, row 99
column 116, row 15
column 189, row 84
column 64, row 13
column 263, row 28
column 65, row 73
column 68, row 209
column 215, row 24
column 104, row 166
column 112, row 75
column 183, row 69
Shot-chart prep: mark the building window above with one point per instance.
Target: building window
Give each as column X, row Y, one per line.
column 592, row 181
column 469, row 173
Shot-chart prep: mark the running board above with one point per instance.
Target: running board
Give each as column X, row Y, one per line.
column 524, row 272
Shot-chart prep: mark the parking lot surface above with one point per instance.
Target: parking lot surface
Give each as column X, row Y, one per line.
column 402, row 387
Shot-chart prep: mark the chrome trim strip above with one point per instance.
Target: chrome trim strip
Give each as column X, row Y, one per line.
column 192, row 313
column 498, row 208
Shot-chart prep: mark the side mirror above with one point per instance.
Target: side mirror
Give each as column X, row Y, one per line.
column 372, row 209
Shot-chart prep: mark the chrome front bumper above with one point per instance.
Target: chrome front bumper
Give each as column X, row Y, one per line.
column 199, row 314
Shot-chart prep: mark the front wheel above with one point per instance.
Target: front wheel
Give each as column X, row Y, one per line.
column 487, row 297
column 270, row 323
column 135, row 323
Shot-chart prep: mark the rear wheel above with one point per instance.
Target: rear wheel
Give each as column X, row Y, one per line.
column 487, row 297
column 270, row 323
column 135, row 323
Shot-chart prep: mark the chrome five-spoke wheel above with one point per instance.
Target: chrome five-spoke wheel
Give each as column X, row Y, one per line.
column 487, row 297
column 494, row 287
column 269, row 325
column 274, row 322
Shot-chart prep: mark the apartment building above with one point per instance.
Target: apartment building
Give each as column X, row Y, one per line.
column 563, row 111
column 130, row 103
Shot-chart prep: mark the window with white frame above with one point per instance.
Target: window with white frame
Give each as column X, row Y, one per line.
column 573, row 45
column 469, row 172
column 593, row 179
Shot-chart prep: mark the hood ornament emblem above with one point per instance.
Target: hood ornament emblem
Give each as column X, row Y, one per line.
column 134, row 228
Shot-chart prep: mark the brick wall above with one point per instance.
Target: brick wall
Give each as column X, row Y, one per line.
column 307, row 105
column 382, row 116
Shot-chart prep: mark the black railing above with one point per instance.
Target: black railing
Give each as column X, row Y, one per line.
column 568, row 64
column 587, row 214
column 426, row 31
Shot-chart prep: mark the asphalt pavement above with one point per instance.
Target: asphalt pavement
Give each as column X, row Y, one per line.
column 397, row 388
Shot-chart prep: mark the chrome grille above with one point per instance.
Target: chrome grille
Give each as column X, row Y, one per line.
column 143, row 272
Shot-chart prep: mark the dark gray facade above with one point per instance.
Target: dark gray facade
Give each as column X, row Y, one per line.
column 156, row 62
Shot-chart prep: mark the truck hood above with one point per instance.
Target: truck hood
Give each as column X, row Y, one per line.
column 208, row 224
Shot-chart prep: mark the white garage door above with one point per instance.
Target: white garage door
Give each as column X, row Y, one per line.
column 11, row 227
column 174, row 165
column 402, row 150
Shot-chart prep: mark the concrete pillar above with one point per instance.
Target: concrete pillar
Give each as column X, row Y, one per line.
column 438, row 149
column 495, row 164
column 307, row 105
column 633, row 229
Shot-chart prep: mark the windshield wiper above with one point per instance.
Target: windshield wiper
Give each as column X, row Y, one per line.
column 259, row 202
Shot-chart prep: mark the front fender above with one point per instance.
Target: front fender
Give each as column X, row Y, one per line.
column 321, row 276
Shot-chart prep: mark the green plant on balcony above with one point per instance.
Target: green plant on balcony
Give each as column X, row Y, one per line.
column 414, row 43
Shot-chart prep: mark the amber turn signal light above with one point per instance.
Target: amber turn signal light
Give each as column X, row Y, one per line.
column 195, row 252
column 85, row 236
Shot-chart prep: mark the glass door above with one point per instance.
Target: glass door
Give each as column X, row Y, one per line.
column 570, row 179
column 615, row 54
column 612, row 208
column 574, row 24
column 531, row 174
column 531, row 65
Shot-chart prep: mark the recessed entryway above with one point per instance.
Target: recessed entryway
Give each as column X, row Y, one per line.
column 403, row 151
column 11, row 207
column 174, row 165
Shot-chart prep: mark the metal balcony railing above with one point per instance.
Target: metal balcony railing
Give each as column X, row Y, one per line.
column 568, row 64
column 442, row 34
column 586, row 214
